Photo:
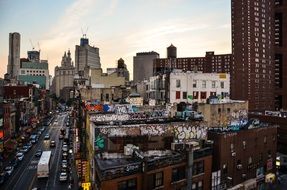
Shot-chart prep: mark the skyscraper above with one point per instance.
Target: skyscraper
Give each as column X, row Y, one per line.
column 280, row 28
column 14, row 55
column 86, row 56
column 252, row 76
column 143, row 65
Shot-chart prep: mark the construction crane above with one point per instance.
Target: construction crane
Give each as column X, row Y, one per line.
column 33, row 47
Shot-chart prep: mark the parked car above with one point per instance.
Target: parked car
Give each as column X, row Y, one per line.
column 20, row 156
column 52, row 144
column 14, row 162
column 38, row 153
column 28, row 145
column 61, row 137
column 42, row 129
column 63, row 176
column 9, row 170
column 24, row 149
column 3, row 177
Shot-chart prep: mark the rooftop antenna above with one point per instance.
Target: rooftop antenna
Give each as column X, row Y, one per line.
column 32, row 44
column 84, row 34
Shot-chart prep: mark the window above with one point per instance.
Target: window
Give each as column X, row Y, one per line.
column 197, row 185
column 222, row 84
column 244, row 144
column 178, row 174
column 184, row 95
column 204, row 84
column 213, row 84
column 202, row 95
column 195, row 94
column 22, row 72
column 158, row 179
column 177, row 84
column 194, row 83
column 130, row 184
column 177, row 95
column 107, row 97
column 198, row 167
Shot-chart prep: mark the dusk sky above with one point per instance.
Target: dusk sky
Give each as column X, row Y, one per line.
column 119, row 28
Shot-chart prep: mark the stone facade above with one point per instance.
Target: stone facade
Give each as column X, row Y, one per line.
column 224, row 113
column 103, row 80
column 143, row 65
column 64, row 75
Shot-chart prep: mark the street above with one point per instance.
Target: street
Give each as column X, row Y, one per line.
column 24, row 176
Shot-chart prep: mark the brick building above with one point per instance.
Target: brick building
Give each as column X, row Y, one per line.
column 252, row 76
column 15, row 92
column 145, row 151
column 210, row 63
column 280, row 54
column 245, row 156
column 222, row 114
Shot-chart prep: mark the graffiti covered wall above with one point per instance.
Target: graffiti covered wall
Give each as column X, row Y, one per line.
column 180, row 131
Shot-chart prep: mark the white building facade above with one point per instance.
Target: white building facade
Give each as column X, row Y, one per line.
column 192, row 87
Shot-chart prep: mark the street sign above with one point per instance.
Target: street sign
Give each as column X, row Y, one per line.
column 86, row 186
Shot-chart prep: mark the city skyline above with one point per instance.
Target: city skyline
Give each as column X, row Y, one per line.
column 118, row 29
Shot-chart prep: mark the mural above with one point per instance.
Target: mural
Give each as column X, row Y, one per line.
column 124, row 115
column 185, row 132
column 181, row 131
column 109, row 117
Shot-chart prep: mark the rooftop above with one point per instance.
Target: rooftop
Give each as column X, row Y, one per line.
column 113, row 165
column 242, row 125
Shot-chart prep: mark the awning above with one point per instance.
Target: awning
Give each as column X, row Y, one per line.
column 250, row 184
column 237, row 187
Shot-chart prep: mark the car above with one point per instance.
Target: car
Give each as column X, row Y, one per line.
column 56, row 120
column 63, row 176
column 64, row 155
column 20, row 156
column 47, row 137
column 38, row 153
column 3, row 177
column 9, row 170
column 52, row 144
column 65, row 148
column 42, row 129
column 28, row 145
column 61, row 137
column 14, row 162
column 24, row 149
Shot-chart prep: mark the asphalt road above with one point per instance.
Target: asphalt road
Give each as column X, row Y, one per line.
column 25, row 175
